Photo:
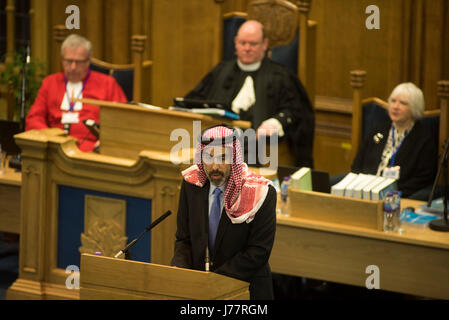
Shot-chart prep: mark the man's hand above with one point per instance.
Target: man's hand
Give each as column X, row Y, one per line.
column 270, row 127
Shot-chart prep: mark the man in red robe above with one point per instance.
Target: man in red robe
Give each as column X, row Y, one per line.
column 53, row 107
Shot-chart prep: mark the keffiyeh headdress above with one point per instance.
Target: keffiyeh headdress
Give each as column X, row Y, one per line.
column 245, row 191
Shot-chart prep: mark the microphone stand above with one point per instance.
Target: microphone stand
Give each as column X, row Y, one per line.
column 24, row 74
column 15, row 162
column 441, row 224
column 151, row 226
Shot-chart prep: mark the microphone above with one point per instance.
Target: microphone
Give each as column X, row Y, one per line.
column 94, row 127
column 207, row 260
column 26, row 61
column 441, row 224
column 28, row 58
column 148, row 228
column 15, row 162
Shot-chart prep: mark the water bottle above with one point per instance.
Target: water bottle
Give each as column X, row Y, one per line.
column 284, row 196
column 397, row 211
column 392, row 211
column 388, row 212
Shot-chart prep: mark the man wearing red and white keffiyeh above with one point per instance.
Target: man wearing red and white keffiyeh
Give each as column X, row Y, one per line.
column 245, row 190
column 245, row 233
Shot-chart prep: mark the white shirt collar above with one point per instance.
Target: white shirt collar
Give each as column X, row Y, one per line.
column 249, row 67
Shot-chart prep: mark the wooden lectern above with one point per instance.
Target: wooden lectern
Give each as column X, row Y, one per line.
column 104, row 278
column 127, row 129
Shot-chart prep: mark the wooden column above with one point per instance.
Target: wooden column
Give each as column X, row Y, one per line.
column 10, row 30
column 117, row 24
column 34, row 208
column 137, row 47
column 307, row 48
column 418, row 43
column 95, row 27
column 40, row 37
column 137, row 13
column 304, row 7
column 59, row 34
column 443, row 95
column 357, row 83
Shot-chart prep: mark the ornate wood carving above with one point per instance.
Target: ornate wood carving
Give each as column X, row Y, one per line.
column 443, row 89
column 167, row 191
column 280, row 20
column 138, row 43
column 303, row 5
column 358, row 78
column 104, row 226
column 60, row 32
column 30, row 170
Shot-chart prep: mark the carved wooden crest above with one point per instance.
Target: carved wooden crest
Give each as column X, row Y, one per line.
column 104, row 226
column 279, row 17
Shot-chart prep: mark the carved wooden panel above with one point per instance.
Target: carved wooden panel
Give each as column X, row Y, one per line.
column 33, row 211
column 280, row 20
column 104, row 226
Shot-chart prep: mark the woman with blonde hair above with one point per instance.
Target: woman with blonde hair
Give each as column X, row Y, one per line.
column 403, row 147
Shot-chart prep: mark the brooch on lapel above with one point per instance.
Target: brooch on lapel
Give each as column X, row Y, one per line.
column 377, row 137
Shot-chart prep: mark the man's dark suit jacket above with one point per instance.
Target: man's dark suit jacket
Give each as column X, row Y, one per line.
column 417, row 157
column 241, row 250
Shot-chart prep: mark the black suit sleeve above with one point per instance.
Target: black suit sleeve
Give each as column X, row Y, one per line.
column 420, row 168
column 183, row 248
column 295, row 112
column 245, row 264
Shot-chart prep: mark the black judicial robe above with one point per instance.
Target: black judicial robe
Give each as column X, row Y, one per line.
column 279, row 95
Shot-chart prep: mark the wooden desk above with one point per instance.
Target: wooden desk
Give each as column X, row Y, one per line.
column 10, row 182
column 415, row 262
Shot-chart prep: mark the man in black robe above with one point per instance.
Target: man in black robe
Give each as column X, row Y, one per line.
column 263, row 92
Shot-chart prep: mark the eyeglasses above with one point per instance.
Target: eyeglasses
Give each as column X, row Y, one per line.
column 77, row 62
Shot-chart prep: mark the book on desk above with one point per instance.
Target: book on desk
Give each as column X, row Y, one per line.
column 364, row 186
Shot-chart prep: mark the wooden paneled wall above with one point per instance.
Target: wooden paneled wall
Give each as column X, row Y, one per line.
column 184, row 43
column 411, row 45
column 108, row 24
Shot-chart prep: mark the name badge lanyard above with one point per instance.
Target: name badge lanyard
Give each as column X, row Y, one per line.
column 393, row 157
column 72, row 104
